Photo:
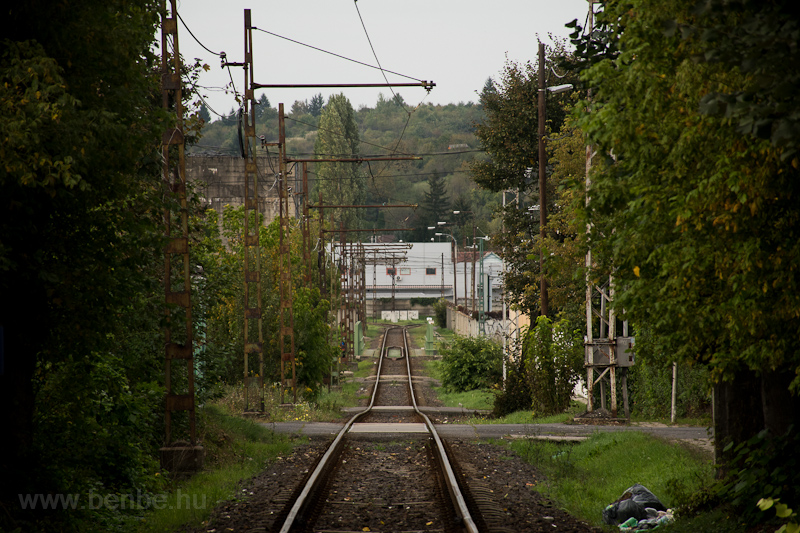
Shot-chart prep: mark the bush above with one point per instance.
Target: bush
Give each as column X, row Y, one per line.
column 553, row 356
column 516, row 393
column 650, row 383
column 440, row 313
column 766, row 466
column 471, row 363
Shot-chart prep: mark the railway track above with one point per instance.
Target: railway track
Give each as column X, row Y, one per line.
column 403, row 481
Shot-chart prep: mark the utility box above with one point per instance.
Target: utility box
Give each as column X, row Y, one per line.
column 598, row 353
column 358, row 341
column 625, row 355
column 429, row 349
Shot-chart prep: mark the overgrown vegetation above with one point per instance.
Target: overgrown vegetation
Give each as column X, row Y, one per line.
column 471, row 363
column 583, row 478
column 544, row 378
column 236, row 449
column 440, row 312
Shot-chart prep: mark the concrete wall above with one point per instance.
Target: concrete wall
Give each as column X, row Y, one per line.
column 220, row 181
column 466, row 326
column 399, row 305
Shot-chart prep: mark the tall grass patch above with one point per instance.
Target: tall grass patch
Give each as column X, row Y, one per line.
column 586, row 477
column 236, row 449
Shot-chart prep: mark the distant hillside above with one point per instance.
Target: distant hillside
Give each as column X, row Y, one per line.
column 442, row 135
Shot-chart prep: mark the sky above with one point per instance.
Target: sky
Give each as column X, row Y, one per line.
column 455, row 44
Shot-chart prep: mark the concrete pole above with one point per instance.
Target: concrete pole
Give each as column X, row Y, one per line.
column 542, row 181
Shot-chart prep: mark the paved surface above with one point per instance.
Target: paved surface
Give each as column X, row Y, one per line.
column 486, row 431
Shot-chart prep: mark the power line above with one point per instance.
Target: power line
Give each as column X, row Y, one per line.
column 375, row 55
column 195, row 38
column 336, row 55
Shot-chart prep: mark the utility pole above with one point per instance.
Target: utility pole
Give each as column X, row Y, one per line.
column 542, row 182
column 176, row 457
column 465, row 273
column 441, row 287
column 288, row 372
column 605, row 353
column 286, row 312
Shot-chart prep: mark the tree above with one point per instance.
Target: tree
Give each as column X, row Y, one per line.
column 80, row 203
column 433, row 208
column 300, row 108
column 339, row 183
column 694, row 193
column 204, row 115
column 488, row 88
column 316, row 104
column 509, row 133
column 435, row 203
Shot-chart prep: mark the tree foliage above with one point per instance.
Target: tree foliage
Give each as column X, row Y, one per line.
column 509, row 134
column 553, row 359
column 340, row 183
column 693, row 203
column 701, row 220
column 471, row 363
column 80, row 234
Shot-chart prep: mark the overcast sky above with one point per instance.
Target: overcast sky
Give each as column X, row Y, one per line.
column 455, row 44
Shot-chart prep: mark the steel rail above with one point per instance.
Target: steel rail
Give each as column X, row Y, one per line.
column 332, row 450
column 449, row 476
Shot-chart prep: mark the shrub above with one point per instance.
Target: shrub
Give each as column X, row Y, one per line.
column 516, row 392
column 765, row 466
column 471, row 363
column 650, row 383
column 553, row 356
column 440, row 313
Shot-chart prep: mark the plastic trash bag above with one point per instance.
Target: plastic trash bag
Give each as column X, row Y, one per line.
column 632, row 504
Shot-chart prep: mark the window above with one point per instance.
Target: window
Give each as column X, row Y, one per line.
column 430, row 271
column 405, row 271
column 391, row 271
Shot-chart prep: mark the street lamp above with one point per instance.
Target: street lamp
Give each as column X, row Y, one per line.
column 543, row 90
column 455, row 253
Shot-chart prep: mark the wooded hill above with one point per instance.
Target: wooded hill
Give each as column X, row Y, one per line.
column 442, row 135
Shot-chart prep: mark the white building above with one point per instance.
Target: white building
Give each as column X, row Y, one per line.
column 427, row 272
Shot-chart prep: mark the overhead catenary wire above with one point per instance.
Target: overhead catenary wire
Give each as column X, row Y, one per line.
column 195, row 37
column 337, row 55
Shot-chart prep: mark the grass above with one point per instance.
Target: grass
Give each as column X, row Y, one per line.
column 700, row 422
column 236, row 449
column 583, row 478
column 476, row 399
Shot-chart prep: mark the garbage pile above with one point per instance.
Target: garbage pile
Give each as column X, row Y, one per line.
column 637, row 509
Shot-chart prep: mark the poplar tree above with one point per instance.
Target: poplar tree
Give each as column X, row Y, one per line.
column 341, row 183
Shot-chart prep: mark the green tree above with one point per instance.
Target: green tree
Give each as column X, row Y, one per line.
column 553, row 361
column 80, row 203
column 340, row 183
column 300, row 107
column 316, row 104
column 204, row 114
column 265, row 112
column 509, row 134
column 433, row 208
column 694, row 192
